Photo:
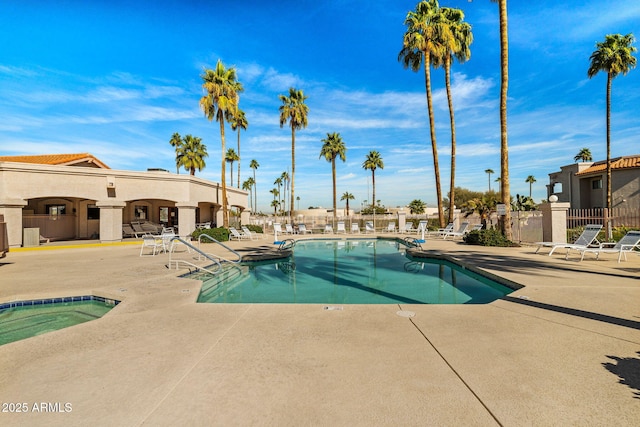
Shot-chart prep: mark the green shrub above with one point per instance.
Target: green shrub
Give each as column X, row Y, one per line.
column 491, row 237
column 255, row 228
column 221, row 234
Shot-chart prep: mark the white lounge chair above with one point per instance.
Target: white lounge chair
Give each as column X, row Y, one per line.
column 153, row 243
column 408, row 228
column 355, row 228
column 235, row 234
column 629, row 243
column 462, row 230
column 368, row 227
column 302, row 229
column 288, row 229
column 587, row 238
column 328, row 229
column 391, row 227
column 341, row 228
column 441, row 231
column 252, row 235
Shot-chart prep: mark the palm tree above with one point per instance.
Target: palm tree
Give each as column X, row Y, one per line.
column 238, row 121
column 295, row 111
column 231, row 156
column 222, row 97
column 247, row 185
column 176, row 142
column 278, row 182
column 333, row 147
column 373, row 162
column 489, row 171
column 458, row 47
column 530, row 179
column 347, row 196
column 255, row 165
column 191, row 154
column 417, row 206
column 275, row 205
column 584, row 155
column 419, row 44
column 613, row 56
column 285, row 183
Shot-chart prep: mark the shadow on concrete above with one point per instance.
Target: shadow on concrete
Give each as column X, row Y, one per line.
column 579, row 313
column 628, row 370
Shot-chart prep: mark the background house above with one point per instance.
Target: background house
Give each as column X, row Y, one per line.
column 584, row 185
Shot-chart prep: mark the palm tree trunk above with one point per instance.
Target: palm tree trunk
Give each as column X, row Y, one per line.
column 432, row 128
column 225, row 211
column 333, row 175
column 238, row 184
column 255, row 192
column 293, row 169
column 504, row 147
column 373, row 185
column 447, row 74
column 609, row 80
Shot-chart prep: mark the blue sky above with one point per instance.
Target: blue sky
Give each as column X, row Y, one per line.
column 118, row 78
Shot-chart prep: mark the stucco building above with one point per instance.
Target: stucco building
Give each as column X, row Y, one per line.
column 584, row 185
column 76, row 196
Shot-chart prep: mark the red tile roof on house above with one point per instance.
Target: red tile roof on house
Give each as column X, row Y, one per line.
column 78, row 159
column 618, row 163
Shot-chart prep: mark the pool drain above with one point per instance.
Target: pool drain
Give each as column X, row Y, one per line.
column 405, row 313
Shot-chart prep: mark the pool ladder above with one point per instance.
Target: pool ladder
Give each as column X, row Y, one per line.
column 215, row 259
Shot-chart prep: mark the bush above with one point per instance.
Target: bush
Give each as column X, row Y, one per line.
column 255, row 228
column 221, row 234
column 491, row 237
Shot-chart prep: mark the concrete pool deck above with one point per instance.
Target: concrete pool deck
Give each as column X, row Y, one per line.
column 563, row 350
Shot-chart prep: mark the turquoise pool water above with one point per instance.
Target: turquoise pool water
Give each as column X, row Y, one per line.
column 36, row 318
column 351, row 272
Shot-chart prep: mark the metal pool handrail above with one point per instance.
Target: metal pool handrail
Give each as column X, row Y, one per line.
column 221, row 244
column 191, row 247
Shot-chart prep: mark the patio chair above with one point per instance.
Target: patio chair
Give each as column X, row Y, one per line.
column 150, row 227
column 355, row 228
column 302, row 229
column 408, row 228
column 629, row 243
column 137, row 228
column 441, row 231
column 328, row 228
column 128, row 231
column 252, row 235
column 391, row 227
column 152, row 242
column 368, row 227
column 288, row 229
column 341, row 228
column 587, row 238
column 235, row 234
column 462, row 230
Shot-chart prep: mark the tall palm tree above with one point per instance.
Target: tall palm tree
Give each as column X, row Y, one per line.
column 372, row 162
column 222, row 97
column 239, row 121
column 613, row 56
column 191, row 154
column 285, row 184
column 347, row 196
column 231, row 156
column 530, row 179
column 176, row 142
column 333, row 147
column 278, row 182
column 255, row 165
column 294, row 111
column 275, row 205
column 421, row 42
column 584, row 155
column 458, row 47
column 247, row 185
column 489, row 172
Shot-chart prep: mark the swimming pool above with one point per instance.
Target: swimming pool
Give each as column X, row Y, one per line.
column 351, row 272
column 25, row 319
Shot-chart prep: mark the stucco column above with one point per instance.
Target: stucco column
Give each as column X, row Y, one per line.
column 219, row 216
column 554, row 222
column 245, row 216
column 12, row 211
column 402, row 221
column 186, row 218
column 110, row 220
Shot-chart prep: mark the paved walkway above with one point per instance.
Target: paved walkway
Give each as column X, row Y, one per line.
column 563, row 350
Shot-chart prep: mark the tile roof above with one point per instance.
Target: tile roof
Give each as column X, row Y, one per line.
column 625, row 162
column 77, row 159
